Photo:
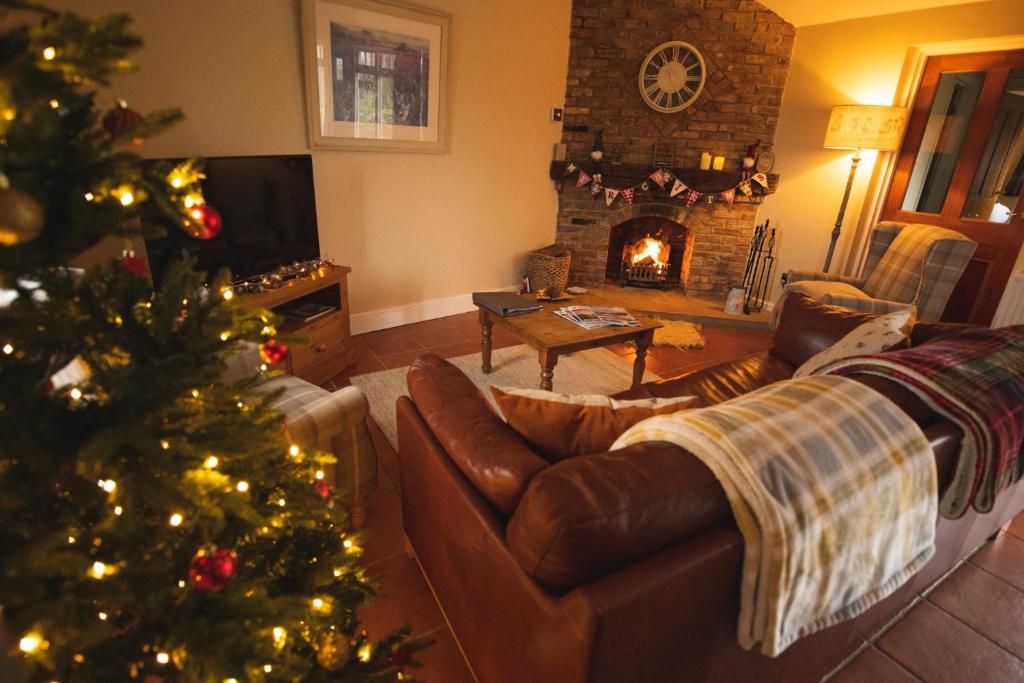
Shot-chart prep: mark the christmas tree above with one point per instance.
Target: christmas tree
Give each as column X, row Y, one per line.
column 155, row 522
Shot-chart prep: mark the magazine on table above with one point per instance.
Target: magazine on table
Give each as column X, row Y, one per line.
column 595, row 317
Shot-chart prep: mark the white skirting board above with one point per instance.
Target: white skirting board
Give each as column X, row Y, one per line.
column 1011, row 308
column 385, row 318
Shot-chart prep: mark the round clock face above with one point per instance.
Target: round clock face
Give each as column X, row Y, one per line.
column 672, row 76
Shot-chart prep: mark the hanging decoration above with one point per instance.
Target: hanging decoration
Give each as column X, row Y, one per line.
column 120, row 121
column 273, row 351
column 664, row 179
column 210, row 570
column 206, row 221
column 21, row 216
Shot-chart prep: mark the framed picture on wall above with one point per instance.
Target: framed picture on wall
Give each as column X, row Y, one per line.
column 376, row 73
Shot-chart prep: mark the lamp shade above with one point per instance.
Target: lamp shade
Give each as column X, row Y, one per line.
column 865, row 126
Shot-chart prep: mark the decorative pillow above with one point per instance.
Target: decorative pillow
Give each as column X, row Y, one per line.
column 559, row 426
column 874, row 336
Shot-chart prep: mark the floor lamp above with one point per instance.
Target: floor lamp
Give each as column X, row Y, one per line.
column 860, row 127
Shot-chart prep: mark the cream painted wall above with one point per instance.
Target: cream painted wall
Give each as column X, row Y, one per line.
column 856, row 61
column 414, row 227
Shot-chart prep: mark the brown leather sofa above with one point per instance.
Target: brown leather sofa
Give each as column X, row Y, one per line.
column 622, row 566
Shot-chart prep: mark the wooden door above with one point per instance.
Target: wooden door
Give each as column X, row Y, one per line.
column 961, row 166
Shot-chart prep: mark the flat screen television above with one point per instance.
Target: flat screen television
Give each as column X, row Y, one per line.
column 269, row 218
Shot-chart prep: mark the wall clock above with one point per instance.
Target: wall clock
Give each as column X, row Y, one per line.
column 672, row 76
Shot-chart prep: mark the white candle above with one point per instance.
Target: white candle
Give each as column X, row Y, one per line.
column 719, row 163
column 705, row 160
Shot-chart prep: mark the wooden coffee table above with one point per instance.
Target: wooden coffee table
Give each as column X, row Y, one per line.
column 551, row 335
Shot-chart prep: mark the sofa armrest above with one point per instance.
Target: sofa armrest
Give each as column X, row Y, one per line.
column 866, row 304
column 796, row 275
column 319, row 420
column 593, row 514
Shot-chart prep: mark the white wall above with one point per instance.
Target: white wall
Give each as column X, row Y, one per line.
column 414, row 227
column 856, row 61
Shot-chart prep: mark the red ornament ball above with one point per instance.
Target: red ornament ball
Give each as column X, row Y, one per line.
column 134, row 265
column 273, row 351
column 323, row 488
column 121, row 120
column 211, row 570
column 206, row 221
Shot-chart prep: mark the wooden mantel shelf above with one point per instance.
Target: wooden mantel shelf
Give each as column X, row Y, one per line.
column 626, row 175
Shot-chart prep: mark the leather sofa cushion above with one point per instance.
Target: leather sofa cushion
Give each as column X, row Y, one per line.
column 560, row 426
column 806, row 327
column 492, row 456
column 589, row 515
column 925, row 332
column 719, row 383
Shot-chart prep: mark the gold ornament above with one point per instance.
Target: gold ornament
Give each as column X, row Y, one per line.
column 334, row 651
column 21, row 217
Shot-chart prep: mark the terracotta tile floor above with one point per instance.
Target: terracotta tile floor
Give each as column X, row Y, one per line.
column 971, row 628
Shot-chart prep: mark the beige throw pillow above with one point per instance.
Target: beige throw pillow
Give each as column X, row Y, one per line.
column 559, row 426
column 874, row 336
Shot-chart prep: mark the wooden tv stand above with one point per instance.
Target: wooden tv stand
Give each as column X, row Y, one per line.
column 326, row 347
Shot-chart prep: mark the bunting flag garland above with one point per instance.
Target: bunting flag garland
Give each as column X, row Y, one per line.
column 662, row 177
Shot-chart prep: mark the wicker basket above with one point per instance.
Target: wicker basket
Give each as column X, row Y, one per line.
column 549, row 267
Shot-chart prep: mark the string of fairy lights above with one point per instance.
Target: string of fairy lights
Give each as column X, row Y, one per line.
column 211, row 568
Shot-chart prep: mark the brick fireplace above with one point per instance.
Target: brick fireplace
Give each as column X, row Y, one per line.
column 747, row 52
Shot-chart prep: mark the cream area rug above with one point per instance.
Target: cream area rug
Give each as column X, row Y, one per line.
column 594, row 371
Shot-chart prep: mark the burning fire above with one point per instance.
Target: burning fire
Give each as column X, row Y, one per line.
column 650, row 251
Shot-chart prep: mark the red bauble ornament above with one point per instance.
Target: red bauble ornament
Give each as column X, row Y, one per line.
column 211, row 570
column 323, row 488
column 134, row 265
column 121, row 120
column 206, row 221
column 273, row 351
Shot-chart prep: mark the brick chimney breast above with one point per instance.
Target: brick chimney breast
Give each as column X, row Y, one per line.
column 746, row 49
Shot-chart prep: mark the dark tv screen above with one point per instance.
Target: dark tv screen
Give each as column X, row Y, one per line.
column 269, row 218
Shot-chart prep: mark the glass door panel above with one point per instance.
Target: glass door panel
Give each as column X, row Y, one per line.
column 1000, row 176
column 955, row 98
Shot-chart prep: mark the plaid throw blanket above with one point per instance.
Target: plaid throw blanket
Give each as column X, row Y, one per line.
column 833, row 488
column 975, row 378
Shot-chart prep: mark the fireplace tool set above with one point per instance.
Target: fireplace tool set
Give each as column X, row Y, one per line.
column 760, row 261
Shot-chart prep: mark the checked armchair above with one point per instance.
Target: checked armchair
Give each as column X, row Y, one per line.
column 315, row 418
column 909, row 265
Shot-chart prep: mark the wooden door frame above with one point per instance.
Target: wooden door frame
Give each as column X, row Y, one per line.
column 906, row 92
column 998, row 262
